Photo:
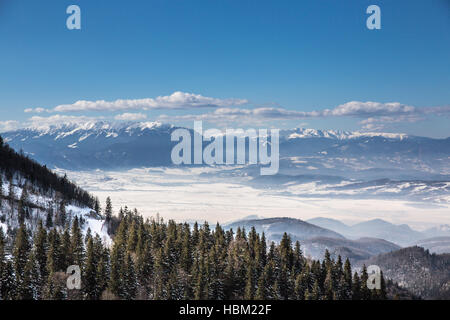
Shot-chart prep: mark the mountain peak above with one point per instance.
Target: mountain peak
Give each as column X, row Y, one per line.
column 91, row 125
column 299, row 133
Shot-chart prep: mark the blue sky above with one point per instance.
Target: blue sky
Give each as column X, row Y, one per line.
column 284, row 63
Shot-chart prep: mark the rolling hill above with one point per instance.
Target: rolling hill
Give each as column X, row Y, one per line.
column 416, row 269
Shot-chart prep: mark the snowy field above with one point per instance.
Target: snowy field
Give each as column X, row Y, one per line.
column 189, row 194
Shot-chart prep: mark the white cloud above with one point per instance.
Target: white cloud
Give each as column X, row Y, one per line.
column 438, row 111
column 372, row 115
column 359, row 109
column 379, row 123
column 38, row 122
column 36, row 110
column 375, row 114
column 131, row 116
column 242, row 115
column 177, row 100
column 9, row 125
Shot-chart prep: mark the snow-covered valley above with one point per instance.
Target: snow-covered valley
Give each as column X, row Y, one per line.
column 215, row 194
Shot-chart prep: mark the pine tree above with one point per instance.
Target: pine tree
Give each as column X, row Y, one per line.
column 301, row 286
column 250, row 285
column 338, row 270
column 31, row 281
column 269, row 280
column 130, row 281
column 262, row 253
column 20, row 257
column 56, row 287
column 90, row 289
column 298, row 258
column 275, row 294
column 327, row 260
column 121, row 214
column 87, row 237
column 356, row 287
column 199, row 289
column 216, row 266
column 2, row 259
column 116, row 280
column 97, row 207
column 347, row 281
column 1, row 188
column 54, row 263
column 160, row 276
column 108, row 214
column 132, row 237
column 186, row 252
column 62, row 215
column 11, row 194
column 102, row 273
column 286, row 253
column 21, row 206
column 329, row 285
column 8, row 282
column 49, row 220
column 261, row 291
column 316, row 292
column 66, row 250
column 365, row 291
column 77, row 248
column 381, row 293
column 236, row 267
column 40, row 254
column 195, row 233
column 284, row 280
column 144, row 265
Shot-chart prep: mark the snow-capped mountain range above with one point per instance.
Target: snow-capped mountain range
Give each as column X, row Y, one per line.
column 116, row 145
column 111, row 129
column 299, row 133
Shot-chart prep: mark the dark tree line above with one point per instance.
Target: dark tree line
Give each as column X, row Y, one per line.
column 156, row 260
column 12, row 163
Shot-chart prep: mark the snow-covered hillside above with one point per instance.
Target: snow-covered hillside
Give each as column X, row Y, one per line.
column 49, row 207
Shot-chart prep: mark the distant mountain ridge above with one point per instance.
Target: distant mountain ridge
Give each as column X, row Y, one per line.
column 415, row 269
column 118, row 145
column 300, row 133
column 314, row 240
column 355, row 250
column 95, row 145
column 377, row 228
column 274, row 228
column 439, row 231
column 438, row 245
column 100, row 126
column 331, row 224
